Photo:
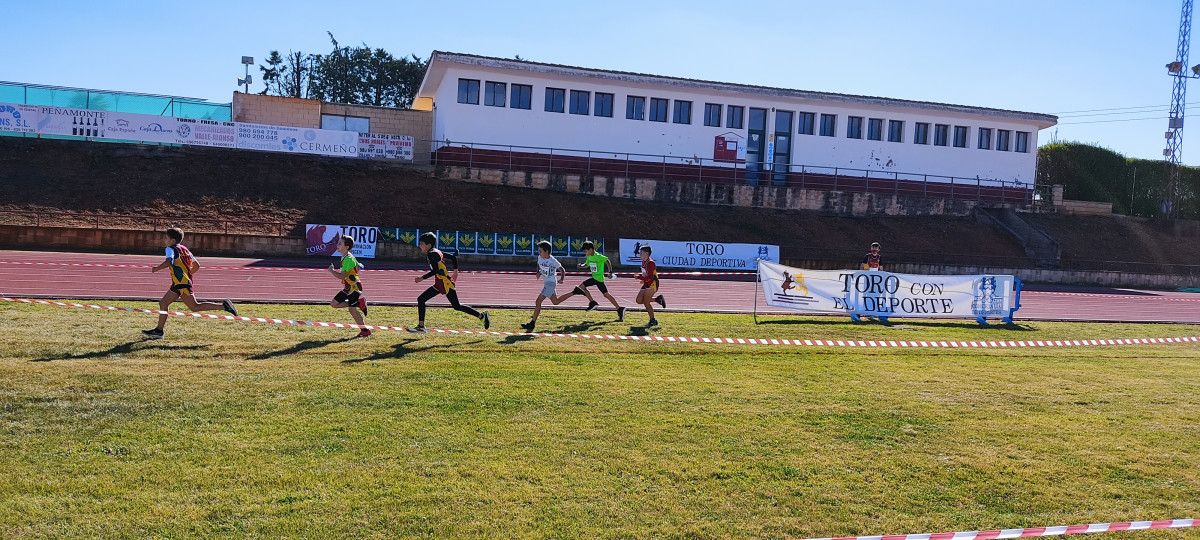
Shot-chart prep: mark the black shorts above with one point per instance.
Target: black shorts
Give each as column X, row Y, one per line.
column 599, row 285
column 347, row 298
column 182, row 289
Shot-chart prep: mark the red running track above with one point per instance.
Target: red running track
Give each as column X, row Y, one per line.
column 36, row 274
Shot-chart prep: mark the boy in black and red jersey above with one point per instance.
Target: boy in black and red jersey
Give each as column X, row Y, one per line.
column 182, row 264
column 440, row 265
column 871, row 260
column 649, row 279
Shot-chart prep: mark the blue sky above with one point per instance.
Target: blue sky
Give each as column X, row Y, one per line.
column 1098, row 64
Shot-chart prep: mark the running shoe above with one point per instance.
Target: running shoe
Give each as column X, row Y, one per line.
column 228, row 305
column 578, row 290
column 620, row 314
column 362, row 306
column 364, row 333
column 153, row 333
column 591, row 305
column 418, row 329
column 487, row 321
column 653, row 322
column 528, row 327
column 661, row 301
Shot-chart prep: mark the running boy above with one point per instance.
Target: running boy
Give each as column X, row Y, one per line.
column 182, row 265
column 439, row 266
column 649, row 279
column 552, row 273
column 601, row 268
column 351, row 295
column 871, row 261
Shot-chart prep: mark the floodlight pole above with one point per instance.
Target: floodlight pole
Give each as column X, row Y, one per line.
column 1174, row 134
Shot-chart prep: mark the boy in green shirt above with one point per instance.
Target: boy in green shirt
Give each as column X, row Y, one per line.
column 351, row 295
column 600, row 267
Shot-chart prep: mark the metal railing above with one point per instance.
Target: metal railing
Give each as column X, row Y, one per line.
column 704, row 170
column 142, row 223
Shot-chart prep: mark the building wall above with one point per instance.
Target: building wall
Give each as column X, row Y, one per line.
column 285, row 111
column 535, row 127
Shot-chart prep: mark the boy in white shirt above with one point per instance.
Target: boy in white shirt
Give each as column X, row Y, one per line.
column 551, row 272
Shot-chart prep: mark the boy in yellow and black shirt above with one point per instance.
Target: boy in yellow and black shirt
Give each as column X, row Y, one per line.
column 182, row 264
column 351, row 295
column 440, row 266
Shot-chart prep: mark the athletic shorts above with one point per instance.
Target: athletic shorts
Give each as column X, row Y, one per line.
column 548, row 289
column 599, row 285
column 347, row 298
column 651, row 288
column 182, row 289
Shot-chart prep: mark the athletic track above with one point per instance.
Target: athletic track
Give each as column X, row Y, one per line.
column 40, row 274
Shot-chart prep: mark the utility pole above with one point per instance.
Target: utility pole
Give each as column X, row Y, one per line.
column 1170, row 204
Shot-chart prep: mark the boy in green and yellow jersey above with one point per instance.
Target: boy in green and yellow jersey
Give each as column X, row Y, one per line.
column 182, row 264
column 600, row 267
column 351, row 295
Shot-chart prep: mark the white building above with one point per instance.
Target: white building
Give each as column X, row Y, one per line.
column 486, row 102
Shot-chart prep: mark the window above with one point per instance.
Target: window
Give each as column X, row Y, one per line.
column 635, row 108
column 895, row 131
column 494, row 94
column 1022, row 141
column 604, row 103
column 522, row 95
column 875, row 129
column 985, row 138
column 805, row 123
column 554, row 99
column 734, row 117
column 468, row 91
column 658, row 110
column 712, row 114
column 941, row 133
column 921, row 135
column 1002, row 137
column 683, row 112
column 581, row 102
column 960, row 136
column 853, row 127
column 828, row 125
column 357, row 124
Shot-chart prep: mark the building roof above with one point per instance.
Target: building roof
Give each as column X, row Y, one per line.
column 429, row 86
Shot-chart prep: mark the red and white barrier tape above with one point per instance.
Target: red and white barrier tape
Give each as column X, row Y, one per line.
column 670, row 339
column 1033, row 531
column 286, row 269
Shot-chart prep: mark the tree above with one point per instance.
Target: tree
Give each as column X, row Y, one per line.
column 353, row 75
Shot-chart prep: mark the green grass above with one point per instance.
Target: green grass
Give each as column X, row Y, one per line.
column 243, row 429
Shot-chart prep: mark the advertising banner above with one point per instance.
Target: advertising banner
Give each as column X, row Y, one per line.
column 143, row 127
column 68, row 121
column 325, row 142
column 380, row 146
column 884, row 294
column 18, row 118
column 323, row 239
column 709, row 255
column 211, row 133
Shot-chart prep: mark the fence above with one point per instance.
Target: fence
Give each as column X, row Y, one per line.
column 101, row 100
column 697, row 169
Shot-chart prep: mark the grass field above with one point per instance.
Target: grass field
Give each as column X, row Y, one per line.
column 241, row 429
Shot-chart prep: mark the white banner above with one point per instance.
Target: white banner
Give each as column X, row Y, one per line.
column 213, row 133
column 68, row 121
column 141, row 127
column 381, row 146
column 325, row 142
column 710, row 255
column 18, row 118
column 324, row 239
column 884, row 294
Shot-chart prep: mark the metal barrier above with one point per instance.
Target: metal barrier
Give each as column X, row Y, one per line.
column 141, row 223
column 697, row 169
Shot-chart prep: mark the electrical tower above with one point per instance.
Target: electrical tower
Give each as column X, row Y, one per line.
column 1170, row 207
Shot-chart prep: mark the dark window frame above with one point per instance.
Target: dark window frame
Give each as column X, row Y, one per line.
column 962, row 134
column 681, row 112
column 712, row 114
column 737, row 121
column 1003, row 139
column 895, row 131
column 521, row 96
column 984, row 133
column 465, row 94
column 581, row 106
column 603, row 104
column 556, row 100
column 1022, row 142
column 489, row 94
column 941, row 134
column 921, row 133
column 805, row 122
column 874, row 129
column 635, row 107
column 828, row 125
column 658, row 109
column 854, row 125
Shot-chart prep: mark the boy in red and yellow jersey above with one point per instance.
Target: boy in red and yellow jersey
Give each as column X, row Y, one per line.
column 649, row 279
column 440, row 266
column 183, row 265
column 351, row 295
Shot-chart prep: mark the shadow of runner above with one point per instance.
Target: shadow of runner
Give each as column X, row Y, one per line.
column 300, row 347
column 576, row 328
column 124, row 348
column 402, row 349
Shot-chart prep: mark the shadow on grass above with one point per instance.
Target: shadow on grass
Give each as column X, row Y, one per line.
column 124, row 348
column 402, row 349
column 299, row 348
column 576, row 328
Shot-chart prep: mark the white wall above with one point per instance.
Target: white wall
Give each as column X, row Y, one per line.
column 536, row 127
